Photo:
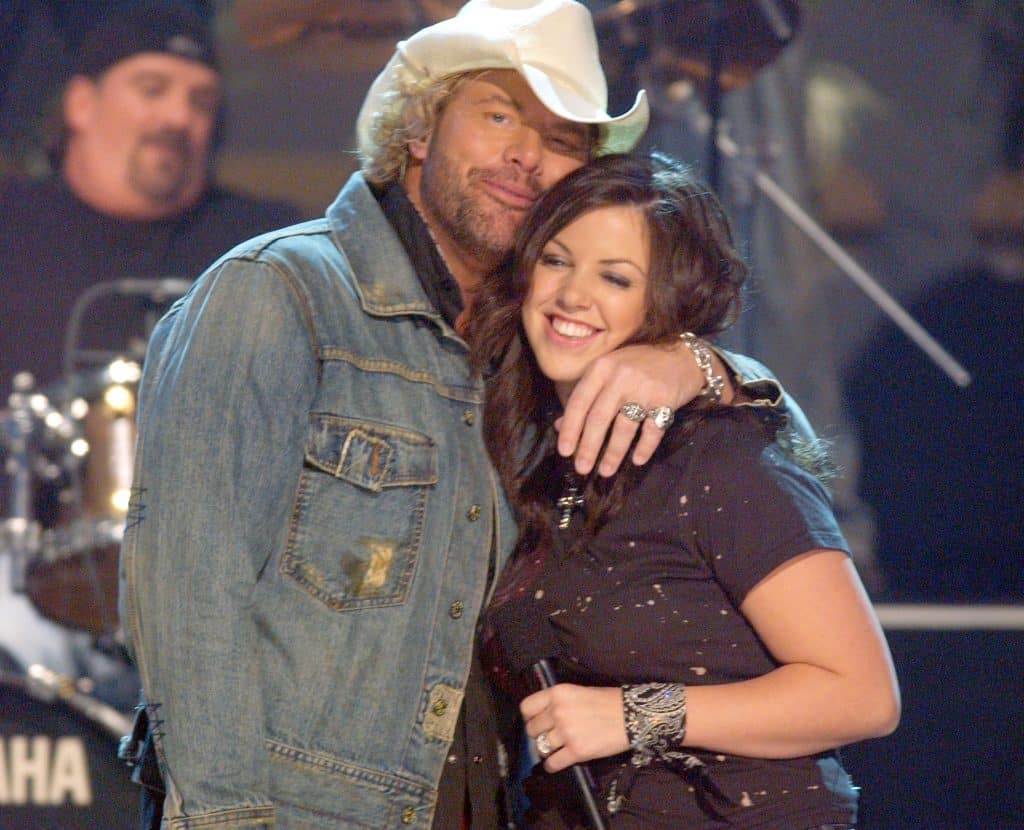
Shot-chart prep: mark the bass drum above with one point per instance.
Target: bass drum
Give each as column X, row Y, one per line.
column 59, row 768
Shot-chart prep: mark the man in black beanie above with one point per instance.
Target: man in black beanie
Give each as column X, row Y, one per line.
column 140, row 113
column 133, row 198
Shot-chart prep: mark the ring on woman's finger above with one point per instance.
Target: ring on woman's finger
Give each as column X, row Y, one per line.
column 634, row 411
column 663, row 416
column 544, row 748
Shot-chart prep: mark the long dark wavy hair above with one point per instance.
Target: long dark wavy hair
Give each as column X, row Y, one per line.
column 694, row 281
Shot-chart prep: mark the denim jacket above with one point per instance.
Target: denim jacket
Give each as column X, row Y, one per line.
column 312, row 525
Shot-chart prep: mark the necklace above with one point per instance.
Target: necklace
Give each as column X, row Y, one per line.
column 570, row 499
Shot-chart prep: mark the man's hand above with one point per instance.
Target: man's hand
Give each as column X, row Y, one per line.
column 649, row 375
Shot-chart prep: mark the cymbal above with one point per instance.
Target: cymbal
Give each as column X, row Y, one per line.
column 673, row 36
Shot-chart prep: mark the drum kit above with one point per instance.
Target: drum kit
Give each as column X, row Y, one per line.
column 67, row 685
column 58, row 758
column 70, row 451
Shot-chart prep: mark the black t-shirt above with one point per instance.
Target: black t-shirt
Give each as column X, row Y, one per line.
column 54, row 248
column 65, row 315
column 655, row 597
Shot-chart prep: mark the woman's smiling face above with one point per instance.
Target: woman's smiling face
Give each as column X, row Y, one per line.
column 588, row 292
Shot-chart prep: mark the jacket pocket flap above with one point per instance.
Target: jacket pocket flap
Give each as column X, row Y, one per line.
column 370, row 454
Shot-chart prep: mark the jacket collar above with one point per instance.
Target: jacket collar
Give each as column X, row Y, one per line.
column 382, row 272
column 438, row 283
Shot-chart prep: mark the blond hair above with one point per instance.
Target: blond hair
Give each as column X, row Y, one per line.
column 410, row 111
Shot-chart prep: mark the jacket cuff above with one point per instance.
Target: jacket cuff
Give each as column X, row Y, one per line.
column 760, row 387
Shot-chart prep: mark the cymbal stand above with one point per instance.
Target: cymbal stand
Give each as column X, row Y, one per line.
column 20, row 534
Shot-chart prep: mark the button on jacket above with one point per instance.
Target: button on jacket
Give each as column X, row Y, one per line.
column 312, row 501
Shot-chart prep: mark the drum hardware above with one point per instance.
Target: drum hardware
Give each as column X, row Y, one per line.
column 73, row 577
column 50, row 686
column 39, row 443
column 717, row 45
column 70, row 573
column 739, row 37
column 68, row 453
column 75, row 438
column 20, row 539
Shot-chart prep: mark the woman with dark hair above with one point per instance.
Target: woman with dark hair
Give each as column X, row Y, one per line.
column 713, row 644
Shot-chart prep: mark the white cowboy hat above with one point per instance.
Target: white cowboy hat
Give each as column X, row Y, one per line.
column 551, row 43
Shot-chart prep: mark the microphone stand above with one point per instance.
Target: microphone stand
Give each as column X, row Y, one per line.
column 154, row 292
column 707, row 124
column 704, row 124
column 714, row 89
column 853, row 270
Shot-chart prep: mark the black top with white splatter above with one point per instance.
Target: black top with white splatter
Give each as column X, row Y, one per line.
column 655, row 597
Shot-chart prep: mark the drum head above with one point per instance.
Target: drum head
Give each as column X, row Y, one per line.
column 58, row 768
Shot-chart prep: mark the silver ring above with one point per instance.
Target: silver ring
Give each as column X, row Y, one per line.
column 544, row 748
column 663, row 416
column 634, row 411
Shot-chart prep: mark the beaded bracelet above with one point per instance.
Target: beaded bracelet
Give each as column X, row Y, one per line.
column 713, row 384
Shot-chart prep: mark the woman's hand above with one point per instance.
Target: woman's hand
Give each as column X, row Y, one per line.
column 580, row 723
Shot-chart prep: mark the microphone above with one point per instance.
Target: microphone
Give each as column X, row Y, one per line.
column 525, row 646
column 157, row 289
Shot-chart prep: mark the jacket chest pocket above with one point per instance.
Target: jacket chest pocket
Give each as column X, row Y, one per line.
column 357, row 525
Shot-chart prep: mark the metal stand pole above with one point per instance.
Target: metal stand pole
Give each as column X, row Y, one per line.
column 20, row 534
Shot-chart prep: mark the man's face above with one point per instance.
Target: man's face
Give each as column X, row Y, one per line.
column 144, row 127
column 494, row 150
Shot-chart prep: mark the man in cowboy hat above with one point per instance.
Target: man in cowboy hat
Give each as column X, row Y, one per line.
column 315, row 523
